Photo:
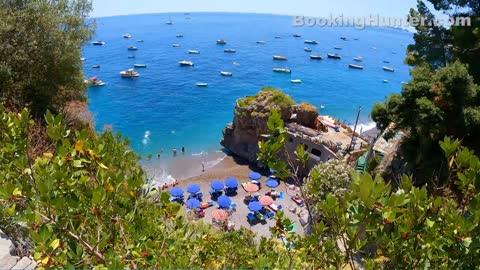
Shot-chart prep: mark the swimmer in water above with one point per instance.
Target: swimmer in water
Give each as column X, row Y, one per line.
column 174, row 152
column 183, row 150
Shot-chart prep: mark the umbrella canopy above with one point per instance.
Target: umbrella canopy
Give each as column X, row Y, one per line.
column 193, row 203
column 176, row 192
column 217, row 185
column 231, row 182
column 219, row 214
column 250, row 187
column 255, row 175
column 272, row 183
column 193, row 188
column 255, row 206
column 224, row 201
column 266, row 200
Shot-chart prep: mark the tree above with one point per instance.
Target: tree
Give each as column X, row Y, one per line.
column 40, row 64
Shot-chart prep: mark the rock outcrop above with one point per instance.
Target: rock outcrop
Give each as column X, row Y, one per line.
column 251, row 117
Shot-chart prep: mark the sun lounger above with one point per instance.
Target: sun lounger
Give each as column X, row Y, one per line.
column 298, row 201
column 251, row 217
column 275, row 207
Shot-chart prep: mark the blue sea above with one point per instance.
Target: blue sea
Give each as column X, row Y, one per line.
column 163, row 108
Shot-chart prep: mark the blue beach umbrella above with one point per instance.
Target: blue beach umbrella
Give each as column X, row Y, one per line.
column 255, row 175
column 224, row 201
column 217, row 185
column 255, row 206
column 231, row 182
column 193, row 188
column 193, row 203
column 176, row 192
column 272, row 183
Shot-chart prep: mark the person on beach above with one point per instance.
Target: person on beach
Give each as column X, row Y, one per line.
column 158, row 156
column 203, row 166
column 174, row 152
column 183, row 150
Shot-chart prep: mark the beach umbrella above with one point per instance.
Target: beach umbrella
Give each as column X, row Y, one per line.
column 224, row 201
column 266, row 200
column 255, row 206
column 250, row 187
column 176, row 192
column 219, row 214
column 193, row 188
column 231, row 182
column 272, row 183
column 193, row 203
column 255, row 175
column 217, row 185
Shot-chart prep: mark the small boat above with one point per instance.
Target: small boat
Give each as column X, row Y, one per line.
column 186, row 63
column 193, row 51
column 221, row 42
column 355, row 39
column 201, row 84
column 127, row 35
column 389, row 69
column 385, row 81
column 132, row 48
column 307, row 49
column 169, row 22
column 282, row 70
column 139, row 40
column 355, row 66
column 277, row 37
column 297, row 35
column 130, row 73
column 334, row 56
column 261, row 42
column 94, row 81
column 230, row 51
column 296, row 81
column 280, row 57
column 310, row 42
column 140, row 65
column 226, row 73
column 96, row 66
column 179, row 36
column 235, row 63
column 337, row 48
column 386, row 62
column 358, row 59
column 316, row 57
column 98, row 43
column 131, row 56
column 176, row 45
column 83, row 59
column 343, row 38
column 374, row 48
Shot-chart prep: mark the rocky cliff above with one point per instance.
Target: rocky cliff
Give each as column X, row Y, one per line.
column 251, row 116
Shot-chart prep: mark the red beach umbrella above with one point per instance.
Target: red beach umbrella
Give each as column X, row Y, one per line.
column 250, row 187
column 219, row 214
column 266, row 200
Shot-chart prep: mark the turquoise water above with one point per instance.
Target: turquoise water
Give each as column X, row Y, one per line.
column 165, row 101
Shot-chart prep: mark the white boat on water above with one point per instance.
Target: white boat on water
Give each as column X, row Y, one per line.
column 337, row 48
column 261, row 42
column 385, row 81
column 307, row 49
column 169, row 22
column 193, row 51
column 297, row 35
column 389, row 69
column 132, row 48
column 179, row 36
column 98, row 43
column 186, row 63
column 96, row 66
column 282, row 70
column 280, row 57
column 316, row 57
column 131, row 56
column 127, row 35
column 230, row 51
column 355, row 66
column 95, row 82
column 310, row 42
column 176, row 45
column 221, row 42
column 201, row 84
column 83, row 59
column 130, row 73
column 296, row 81
column 226, row 73
column 139, row 40
column 140, row 65
column 358, row 59
column 334, row 56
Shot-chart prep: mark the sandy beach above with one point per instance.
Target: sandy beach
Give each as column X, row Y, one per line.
column 234, row 167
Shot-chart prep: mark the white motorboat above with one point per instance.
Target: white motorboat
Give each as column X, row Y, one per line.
column 186, row 63
column 389, row 69
column 169, row 22
column 201, row 84
column 355, row 66
column 337, row 48
column 193, row 51
column 277, row 37
column 297, row 35
column 96, row 66
column 221, row 42
column 261, row 42
column 130, row 73
column 307, row 49
column 176, row 45
column 280, row 57
column 94, row 81
column 282, row 70
column 140, row 65
column 226, row 73
column 179, row 36
column 316, row 57
column 230, row 51
column 358, row 59
column 139, row 40
column 132, row 48
column 334, row 56
column 296, row 81
column 343, row 38
column 311, row 42
column 83, row 59
column 127, row 35
column 385, row 81
column 98, row 43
